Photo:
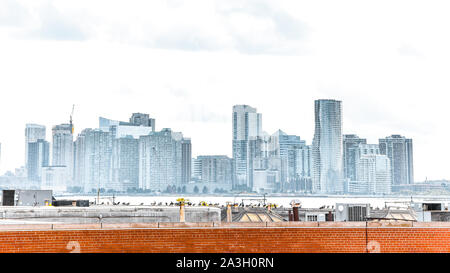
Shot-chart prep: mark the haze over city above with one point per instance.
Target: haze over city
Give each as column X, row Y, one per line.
column 278, row 56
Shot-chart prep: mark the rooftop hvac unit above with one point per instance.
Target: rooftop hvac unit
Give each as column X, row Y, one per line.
column 351, row 212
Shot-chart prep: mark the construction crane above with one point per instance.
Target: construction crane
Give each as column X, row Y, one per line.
column 71, row 115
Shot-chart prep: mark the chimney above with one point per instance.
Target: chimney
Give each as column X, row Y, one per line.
column 229, row 214
column 290, row 216
column 330, row 216
column 295, row 212
column 182, row 213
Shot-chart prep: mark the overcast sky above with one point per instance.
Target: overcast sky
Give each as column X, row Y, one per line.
column 186, row 63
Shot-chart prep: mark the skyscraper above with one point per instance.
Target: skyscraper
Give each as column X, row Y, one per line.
column 303, row 168
column 288, row 146
column 33, row 132
column 247, row 123
column 139, row 125
column 125, row 148
column 186, row 157
column 80, row 161
column 38, row 154
column 399, row 150
column 255, row 146
column 374, row 174
column 93, row 149
column 196, row 167
column 140, row 119
column 304, row 161
column 160, row 160
column 350, row 155
column 327, row 147
column 62, row 147
column 125, row 163
column 215, row 169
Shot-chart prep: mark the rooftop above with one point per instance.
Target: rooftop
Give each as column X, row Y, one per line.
column 12, row 225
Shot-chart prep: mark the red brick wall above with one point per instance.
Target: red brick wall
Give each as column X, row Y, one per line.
column 332, row 239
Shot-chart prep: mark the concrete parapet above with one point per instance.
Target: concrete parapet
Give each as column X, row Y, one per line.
column 76, row 226
column 110, row 214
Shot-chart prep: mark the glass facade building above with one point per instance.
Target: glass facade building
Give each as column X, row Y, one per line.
column 374, row 174
column 161, row 161
column 399, row 150
column 38, row 157
column 33, row 132
column 327, row 148
column 62, row 147
column 350, row 155
column 93, row 149
column 215, row 169
column 247, row 124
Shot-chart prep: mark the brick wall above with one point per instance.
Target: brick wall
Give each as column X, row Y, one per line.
column 229, row 239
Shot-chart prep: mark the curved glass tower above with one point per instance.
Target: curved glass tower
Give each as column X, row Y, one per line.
column 327, row 147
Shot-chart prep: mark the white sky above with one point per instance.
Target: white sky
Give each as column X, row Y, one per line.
column 186, row 63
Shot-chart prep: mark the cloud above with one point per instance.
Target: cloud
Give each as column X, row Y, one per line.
column 259, row 28
column 12, row 13
column 249, row 27
column 41, row 21
column 56, row 26
column 407, row 50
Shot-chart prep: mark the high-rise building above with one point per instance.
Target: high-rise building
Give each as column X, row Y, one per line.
column 38, row 154
column 327, row 147
column 368, row 149
column 350, row 155
column 125, row 148
column 139, row 125
column 216, row 169
column 140, row 119
column 80, row 161
column 62, row 148
column 247, row 124
column 160, row 161
column 125, row 164
column 196, row 169
column 255, row 155
column 286, row 148
column 304, row 161
column 374, row 174
column 399, row 150
column 186, row 158
column 303, row 168
column 93, row 148
column 33, row 132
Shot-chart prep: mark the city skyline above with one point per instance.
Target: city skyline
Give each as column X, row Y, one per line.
column 258, row 132
column 131, row 156
column 162, row 58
